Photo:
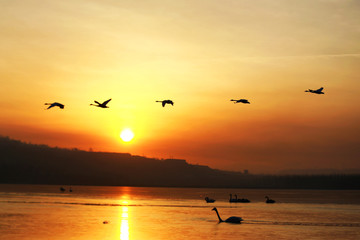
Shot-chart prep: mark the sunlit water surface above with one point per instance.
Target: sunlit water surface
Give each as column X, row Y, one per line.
column 43, row 212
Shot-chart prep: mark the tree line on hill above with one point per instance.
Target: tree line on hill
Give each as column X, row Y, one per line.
column 25, row 163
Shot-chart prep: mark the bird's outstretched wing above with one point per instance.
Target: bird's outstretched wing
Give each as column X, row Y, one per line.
column 52, row 105
column 55, row 104
column 97, row 102
column 320, row 89
column 106, row 102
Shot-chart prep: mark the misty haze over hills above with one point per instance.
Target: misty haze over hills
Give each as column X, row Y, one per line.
column 40, row 164
column 323, row 171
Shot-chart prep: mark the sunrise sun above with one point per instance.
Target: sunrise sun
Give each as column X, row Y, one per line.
column 126, row 135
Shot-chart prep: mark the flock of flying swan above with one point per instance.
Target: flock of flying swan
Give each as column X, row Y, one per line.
column 168, row 101
column 232, row 219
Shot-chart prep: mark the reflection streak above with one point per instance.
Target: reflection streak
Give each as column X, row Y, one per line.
column 124, row 225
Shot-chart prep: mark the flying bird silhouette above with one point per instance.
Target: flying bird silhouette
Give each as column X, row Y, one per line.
column 240, row 101
column 166, row 102
column 101, row 105
column 318, row 91
column 230, row 219
column 55, row 104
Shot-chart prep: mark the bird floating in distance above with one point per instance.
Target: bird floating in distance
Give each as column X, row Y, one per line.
column 268, row 200
column 101, row 105
column 238, row 200
column 166, row 102
column 318, row 91
column 230, row 219
column 55, row 104
column 240, row 101
column 209, row 200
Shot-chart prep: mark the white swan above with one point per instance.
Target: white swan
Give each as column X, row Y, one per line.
column 230, row 219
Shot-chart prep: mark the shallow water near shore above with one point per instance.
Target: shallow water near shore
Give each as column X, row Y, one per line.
column 44, row 212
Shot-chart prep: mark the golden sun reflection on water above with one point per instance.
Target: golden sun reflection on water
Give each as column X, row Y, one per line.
column 124, row 224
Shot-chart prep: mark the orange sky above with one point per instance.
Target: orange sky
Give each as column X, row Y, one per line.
column 199, row 54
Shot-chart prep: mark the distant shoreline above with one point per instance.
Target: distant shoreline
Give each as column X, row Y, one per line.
column 24, row 163
column 194, row 187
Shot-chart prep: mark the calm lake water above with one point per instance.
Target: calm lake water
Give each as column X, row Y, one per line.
column 43, row 212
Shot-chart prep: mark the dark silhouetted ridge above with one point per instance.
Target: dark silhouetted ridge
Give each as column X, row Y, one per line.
column 40, row 164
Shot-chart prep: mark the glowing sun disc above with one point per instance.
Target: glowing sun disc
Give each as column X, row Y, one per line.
column 126, row 135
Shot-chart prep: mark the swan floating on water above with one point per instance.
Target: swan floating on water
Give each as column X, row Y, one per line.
column 230, row 219
column 209, row 200
column 232, row 199
column 268, row 200
column 236, row 200
column 242, row 200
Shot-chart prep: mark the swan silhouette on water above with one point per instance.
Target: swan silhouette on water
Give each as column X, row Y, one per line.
column 318, row 91
column 240, row 101
column 101, row 105
column 232, row 199
column 209, row 200
column 166, row 102
column 55, row 104
column 268, row 200
column 242, row 200
column 230, row 219
column 236, row 200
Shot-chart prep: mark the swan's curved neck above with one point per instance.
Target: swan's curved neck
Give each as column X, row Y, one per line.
column 217, row 213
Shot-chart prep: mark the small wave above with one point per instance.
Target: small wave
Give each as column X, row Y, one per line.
column 5, row 215
column 251, row 221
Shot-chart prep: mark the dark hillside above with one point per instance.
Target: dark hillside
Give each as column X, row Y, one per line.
column 40, row 164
